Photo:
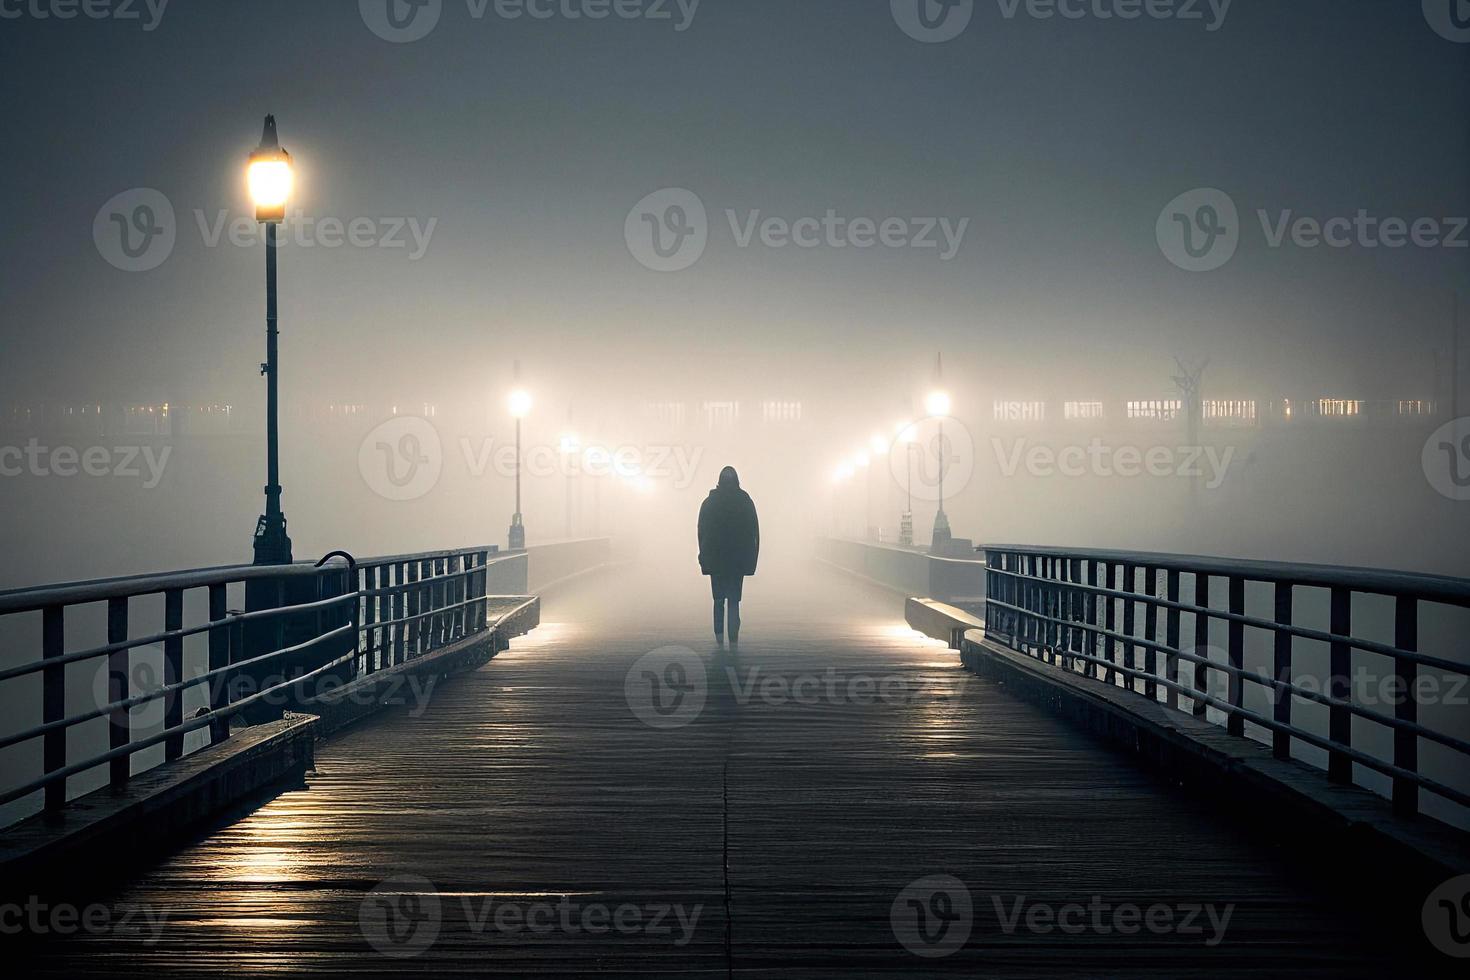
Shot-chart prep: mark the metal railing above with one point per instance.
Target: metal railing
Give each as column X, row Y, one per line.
column 1080, row 610
column 337, row 621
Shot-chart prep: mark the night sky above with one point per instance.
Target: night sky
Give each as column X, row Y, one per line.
column 527, row 141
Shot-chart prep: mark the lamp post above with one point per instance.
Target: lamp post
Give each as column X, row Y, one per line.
column 938, row 406
column 571, row 448
column 269, row 178
column 520, row 407
column 907, row 434
column 878, row 446
column 862, row 465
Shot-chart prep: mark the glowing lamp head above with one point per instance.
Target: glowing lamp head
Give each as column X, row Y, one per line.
column 937, row 403
column 843, row 473
column 520, row 403
column 878, row 445
column 269, row 176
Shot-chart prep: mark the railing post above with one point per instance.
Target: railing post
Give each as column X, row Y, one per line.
column 219, row 658
column 400, row 611
column 369, row 606
column 1340, row 719
column 53, row 703
column 1201, row 640
column 415, row 601
column 1110, row 623
column 118, row 728
column 1235, row 725
column 1281, row 713
column 1078, row 614
column 1091, row 670
column 990, row 584
column 1406, row 709
column 1151, row 633
column 173, row 671
column 1130, row 616
column 1171, row 638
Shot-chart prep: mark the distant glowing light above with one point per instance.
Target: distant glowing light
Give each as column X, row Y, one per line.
column 861, row 461
column 520, row 403
column 843, row 473
column 937, row 403
column 878, row 444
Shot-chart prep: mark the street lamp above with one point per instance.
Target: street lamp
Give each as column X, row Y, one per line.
column 937, row 404
column 269, row 178
column 520, row 407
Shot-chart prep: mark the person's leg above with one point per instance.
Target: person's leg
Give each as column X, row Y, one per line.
column 719, row 596
column 734, row 594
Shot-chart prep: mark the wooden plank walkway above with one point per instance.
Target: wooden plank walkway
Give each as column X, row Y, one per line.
column 837, row 760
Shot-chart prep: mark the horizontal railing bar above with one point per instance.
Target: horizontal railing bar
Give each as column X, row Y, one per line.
column 102, row 651
column 98, row 590
column 1304, row 632
column 1449, row 741
column 1387, row 768
column 1436, row 588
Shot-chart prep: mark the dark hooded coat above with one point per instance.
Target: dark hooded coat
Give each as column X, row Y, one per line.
column 729, row 533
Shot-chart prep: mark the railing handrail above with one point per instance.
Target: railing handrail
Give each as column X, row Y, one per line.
column 34, row 598
column 1379, row 581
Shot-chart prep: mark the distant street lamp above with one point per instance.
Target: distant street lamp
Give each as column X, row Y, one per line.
column 520, row 407
column 938, row 406
column 907, row 436
column 269, row 178
column 571, row 448
column 878, row 446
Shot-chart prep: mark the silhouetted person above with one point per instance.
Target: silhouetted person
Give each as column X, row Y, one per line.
column 729, row 543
